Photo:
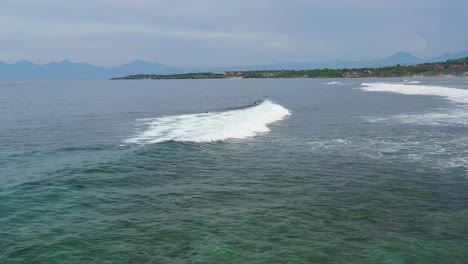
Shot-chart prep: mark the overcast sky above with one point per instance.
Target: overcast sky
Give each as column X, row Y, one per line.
column 226, row 33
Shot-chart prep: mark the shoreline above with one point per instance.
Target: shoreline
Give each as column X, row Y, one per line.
column 288, row 78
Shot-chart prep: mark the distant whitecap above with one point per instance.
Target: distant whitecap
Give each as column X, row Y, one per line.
column 333, row 83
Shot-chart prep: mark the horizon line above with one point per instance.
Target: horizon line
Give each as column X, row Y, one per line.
column 64, row 61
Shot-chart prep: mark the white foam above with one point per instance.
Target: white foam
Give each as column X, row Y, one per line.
column 331, row 83
column 437, row 150
column 453, row 94
column 457, row 117
column 210, row 127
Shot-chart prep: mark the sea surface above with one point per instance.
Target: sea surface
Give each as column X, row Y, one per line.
column 234, row 171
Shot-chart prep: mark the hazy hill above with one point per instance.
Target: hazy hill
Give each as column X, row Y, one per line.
column 448, row 56
column 25, row 70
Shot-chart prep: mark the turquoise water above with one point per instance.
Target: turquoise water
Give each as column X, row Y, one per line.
column 196, row 172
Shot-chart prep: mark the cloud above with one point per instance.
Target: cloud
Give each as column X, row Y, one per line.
column 13, row 26
column 214, row 32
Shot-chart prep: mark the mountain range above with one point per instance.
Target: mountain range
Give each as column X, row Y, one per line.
column 26, row 70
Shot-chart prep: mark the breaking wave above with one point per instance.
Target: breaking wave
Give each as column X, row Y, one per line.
column 209, row 127
column 455, row 116
column 453, row 94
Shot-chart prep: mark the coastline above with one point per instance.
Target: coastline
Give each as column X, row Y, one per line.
column 450, row 68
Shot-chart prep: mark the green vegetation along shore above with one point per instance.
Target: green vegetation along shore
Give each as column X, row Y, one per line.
column 456, row 67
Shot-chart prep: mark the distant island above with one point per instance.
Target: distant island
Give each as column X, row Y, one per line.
column 453, row 67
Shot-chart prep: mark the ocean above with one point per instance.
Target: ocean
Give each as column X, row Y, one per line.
column 234, row 171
